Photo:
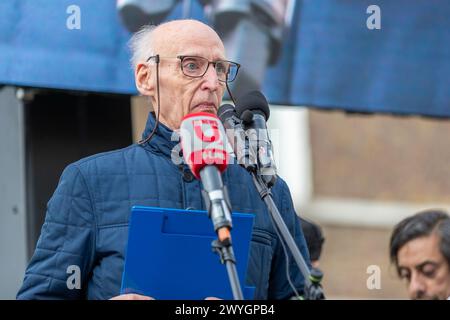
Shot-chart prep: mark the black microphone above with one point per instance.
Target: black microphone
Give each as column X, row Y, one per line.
column 237, row 137
column 252, row 108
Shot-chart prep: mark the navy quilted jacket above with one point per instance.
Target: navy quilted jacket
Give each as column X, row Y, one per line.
column 87, row 221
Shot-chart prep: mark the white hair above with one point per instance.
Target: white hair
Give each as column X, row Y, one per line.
column 141, row 45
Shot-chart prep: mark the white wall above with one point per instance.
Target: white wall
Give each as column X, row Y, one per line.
column 289, row 132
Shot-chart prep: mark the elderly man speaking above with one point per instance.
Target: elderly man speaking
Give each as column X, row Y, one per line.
column 179, row 65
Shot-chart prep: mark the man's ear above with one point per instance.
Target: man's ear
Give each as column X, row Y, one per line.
column 143, row 77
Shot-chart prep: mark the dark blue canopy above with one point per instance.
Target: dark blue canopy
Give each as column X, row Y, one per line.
column 330, row 58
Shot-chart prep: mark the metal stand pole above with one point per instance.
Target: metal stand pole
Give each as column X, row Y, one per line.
column 313, row 289
column 225, row 251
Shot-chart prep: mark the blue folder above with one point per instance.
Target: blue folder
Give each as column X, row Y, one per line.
column 169, row 255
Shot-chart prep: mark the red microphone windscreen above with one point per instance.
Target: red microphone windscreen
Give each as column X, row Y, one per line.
column 203, row 141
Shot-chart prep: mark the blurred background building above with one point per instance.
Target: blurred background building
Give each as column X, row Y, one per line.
column 359, row 115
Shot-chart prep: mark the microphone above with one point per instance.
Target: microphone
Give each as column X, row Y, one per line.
column 252, row 108
column 204, row 145
column 238, row 138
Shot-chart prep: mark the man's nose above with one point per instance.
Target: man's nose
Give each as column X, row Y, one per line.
column 210, row 79
column 417, row 287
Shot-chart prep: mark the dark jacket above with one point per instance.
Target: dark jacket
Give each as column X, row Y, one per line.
column 87, row 221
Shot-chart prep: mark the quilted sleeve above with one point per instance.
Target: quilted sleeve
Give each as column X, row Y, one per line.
column 279, row 287
column 61, row 263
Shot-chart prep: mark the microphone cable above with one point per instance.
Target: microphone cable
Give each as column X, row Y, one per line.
column 286, row 256
column 229, row 93
column 159, row 104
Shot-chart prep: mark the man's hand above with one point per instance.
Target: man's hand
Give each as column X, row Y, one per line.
column 131, row 296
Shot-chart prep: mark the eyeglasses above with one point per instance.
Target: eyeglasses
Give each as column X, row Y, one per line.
column 196, row 67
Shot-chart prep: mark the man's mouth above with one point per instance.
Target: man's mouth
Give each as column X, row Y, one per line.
column 205, row 107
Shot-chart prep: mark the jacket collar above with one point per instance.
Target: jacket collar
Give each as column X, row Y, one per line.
column 164, row 140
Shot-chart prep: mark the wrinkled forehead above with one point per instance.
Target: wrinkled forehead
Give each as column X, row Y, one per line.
column 191, row 40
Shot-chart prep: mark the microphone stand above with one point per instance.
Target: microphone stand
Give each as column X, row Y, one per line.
column 226, row 254
column 218, row 206
column 313, row 289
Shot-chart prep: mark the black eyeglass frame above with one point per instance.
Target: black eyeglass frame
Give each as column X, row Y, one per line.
column 157, row 61
column 182, row 57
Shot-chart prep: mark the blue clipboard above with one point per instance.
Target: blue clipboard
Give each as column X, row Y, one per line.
column 169, row 255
